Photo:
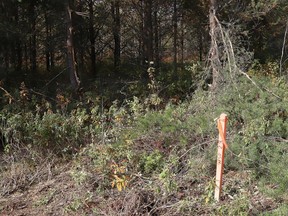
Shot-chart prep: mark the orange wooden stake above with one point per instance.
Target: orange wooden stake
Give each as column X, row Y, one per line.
column 222, row 145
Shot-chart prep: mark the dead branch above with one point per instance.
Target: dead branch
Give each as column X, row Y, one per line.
column 11, row 98
column 283, row 48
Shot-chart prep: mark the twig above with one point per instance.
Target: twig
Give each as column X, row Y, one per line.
column 225, row 45
column 266, row 89
column 283, row 48
column 40, row 94
column 55, row 77
column 196, row 146
column 278, row 139
column 7, row 93
column 230, row 51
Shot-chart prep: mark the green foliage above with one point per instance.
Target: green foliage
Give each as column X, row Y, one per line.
column 170, row 151
column 79, row 175
column 239, row 206
column 152, row 162
column 257, row 118
column 281, row 210
column 208, row 196
column 53, row 131
column 270, row 69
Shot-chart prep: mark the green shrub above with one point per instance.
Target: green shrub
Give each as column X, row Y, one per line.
column 152, row 162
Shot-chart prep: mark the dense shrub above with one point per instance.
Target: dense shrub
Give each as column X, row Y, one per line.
column 166, row 151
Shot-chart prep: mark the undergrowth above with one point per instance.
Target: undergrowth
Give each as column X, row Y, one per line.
column 157, row 161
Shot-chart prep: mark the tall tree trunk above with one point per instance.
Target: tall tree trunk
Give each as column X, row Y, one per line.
column 115, row 9
column 71, row 60
column 18, row 43
column 156, row 37
column 214, row 56
column 182, row 39
column 33, row 45
column 79, row 36
column 175, row 36
column 26, row 57
column 6, row 58
column 148, row 31
column 12, row 56
column 47, row 43
column 51, row 47
column 92, row 37
column 141, row 37
column 19, row 55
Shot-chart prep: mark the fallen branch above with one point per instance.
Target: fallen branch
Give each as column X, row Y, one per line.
column 11, row 98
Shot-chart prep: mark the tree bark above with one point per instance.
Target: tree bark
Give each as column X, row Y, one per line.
column 33, row 45
column 214, row 56
column 71, row 59
column 156, row 37
column 115, row 9
column 19, row 55
column 79, row 37
column 175, row 36
column 92, row 37
column 182, row 39
column 26, row 57
column 47, row 43
column 148, row 31
column 200, row 44
column 18, row 47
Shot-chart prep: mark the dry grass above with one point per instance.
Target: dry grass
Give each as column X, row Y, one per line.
column 51, row 190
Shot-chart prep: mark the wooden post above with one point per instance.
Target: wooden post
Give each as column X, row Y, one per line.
column 222, row 145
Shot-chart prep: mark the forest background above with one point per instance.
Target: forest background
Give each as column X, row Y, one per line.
column 108, row 106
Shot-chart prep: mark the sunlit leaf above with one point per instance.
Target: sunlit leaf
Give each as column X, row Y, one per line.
column 119, row 186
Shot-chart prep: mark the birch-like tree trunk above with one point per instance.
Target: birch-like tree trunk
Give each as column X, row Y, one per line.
column 71, row 59
column 214, row 56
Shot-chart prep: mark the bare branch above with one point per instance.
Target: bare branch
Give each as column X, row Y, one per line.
column 8, row 94
column 283, row 48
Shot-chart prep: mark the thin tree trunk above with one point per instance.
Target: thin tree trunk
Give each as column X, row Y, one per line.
column 26, row 57
column 51, row 47
column 47, row 43
column 156, row 38
column 18, row 43
column 19, row 55
column 214, row 56
column 71, row 60
column 182, row 40
column 115, row 9
column 33, row 46
column 12, row 51
column 141, row 47
column 175, row 36
column 200, row 44
column 92, row 37
column 79, row 36
column 6, row 58
column 148, row 31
